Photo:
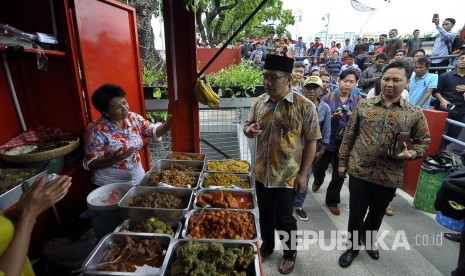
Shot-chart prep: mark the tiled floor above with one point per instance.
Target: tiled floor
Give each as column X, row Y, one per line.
column 429, row 253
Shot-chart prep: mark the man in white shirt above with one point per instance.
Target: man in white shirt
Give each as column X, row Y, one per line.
column 350, row 64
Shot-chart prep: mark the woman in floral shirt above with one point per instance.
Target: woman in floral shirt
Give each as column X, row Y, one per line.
column 113, row 141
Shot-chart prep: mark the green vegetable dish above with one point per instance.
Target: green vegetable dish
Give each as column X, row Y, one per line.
column 195, row 258
column 152, row 225
column 15, row 176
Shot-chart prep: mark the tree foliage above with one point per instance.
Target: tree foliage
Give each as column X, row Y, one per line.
column 219, row 19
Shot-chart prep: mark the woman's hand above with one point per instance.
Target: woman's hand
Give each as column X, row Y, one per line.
column 42, row 195
column 120, row 155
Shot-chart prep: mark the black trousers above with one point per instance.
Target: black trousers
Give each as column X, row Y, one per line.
column 460, row 270
column 333, row 193
column 275, row 206
column 367, row 196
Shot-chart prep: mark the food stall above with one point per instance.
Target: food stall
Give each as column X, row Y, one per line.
column 52, row 86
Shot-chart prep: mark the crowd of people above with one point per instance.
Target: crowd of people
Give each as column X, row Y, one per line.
column 296, row 138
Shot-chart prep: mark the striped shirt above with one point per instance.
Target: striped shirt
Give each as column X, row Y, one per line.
column 441, row 43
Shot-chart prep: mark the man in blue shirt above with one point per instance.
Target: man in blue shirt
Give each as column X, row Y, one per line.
column 422, row 84
column 442, row 43
column 313, row 86
column 300, row 50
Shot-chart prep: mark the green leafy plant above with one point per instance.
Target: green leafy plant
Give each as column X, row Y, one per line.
column 156, row 78
column 157, row 116
column 242, row 75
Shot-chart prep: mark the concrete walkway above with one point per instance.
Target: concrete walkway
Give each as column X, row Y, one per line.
column 428, row 254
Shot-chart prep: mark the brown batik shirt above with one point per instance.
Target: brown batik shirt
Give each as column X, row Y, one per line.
column 371, row 130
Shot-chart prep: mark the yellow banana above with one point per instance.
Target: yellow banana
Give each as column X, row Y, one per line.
column 207, row 85
column 198, row 93
column 212, row 101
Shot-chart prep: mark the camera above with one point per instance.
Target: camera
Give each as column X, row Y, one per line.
column 345, row 109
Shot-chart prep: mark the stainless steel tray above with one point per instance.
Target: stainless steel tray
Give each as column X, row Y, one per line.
column 199, row 156
column 163, row 164
column 146, row 180
column 173, row 214
column 205, row 169
column 240, row 175
column 251, row 194
column 35, row 174
column 130, row 223
column 195, row 212
column 11, row 194
column 12, row 190
column 253, row 270
column 96, row 255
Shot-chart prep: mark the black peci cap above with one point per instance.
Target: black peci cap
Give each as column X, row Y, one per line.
column 279, row 63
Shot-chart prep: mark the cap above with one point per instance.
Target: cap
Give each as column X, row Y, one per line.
column 313, row 79
column 279, row 63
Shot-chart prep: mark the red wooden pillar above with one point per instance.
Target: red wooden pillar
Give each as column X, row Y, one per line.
column 436, row 123
column 180, row 45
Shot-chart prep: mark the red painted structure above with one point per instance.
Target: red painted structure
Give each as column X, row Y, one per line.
column 436, row 123
column 224, row 60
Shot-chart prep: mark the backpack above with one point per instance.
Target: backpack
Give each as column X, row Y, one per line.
column 454, row 46
column 450, row 199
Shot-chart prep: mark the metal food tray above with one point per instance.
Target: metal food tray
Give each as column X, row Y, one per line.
column 253, row 270
column 190, row 154
column 99, row 251
column 240, row 175
column 195, row 213
column 12, row 190
column 11, row 195
column 205, row 168
column 129, row 223
column 234, row 192
column 172, row 214
column 146, row 180
column 164, row 163
column 35, row 174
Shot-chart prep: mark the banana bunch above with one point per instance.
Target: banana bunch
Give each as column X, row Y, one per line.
column 205, row 95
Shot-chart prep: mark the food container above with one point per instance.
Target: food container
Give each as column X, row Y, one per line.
column 102, row 247
column 104, row 214
column 182, row 155
column 9, row 194
column 146, row 180
column 240, row 175
column 172, row 214
column 163, row 164
column 195, row 212
column 205, row 169
column 130, row 223
column 253, row 270
column 250, row 194
column 11, row 191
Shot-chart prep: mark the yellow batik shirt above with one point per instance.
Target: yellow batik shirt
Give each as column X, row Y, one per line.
column 285, row 126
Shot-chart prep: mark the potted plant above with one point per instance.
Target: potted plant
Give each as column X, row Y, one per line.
column 154, row 81
column 239, row 80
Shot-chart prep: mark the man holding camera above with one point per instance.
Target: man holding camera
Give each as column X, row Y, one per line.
column 341, row 103
column 375, row 174
column 450, row 95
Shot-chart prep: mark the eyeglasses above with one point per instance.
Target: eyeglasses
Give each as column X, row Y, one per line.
column 272, row 77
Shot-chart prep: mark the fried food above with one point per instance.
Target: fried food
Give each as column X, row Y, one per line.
column 230, row 165
column 220, row 199
column 222, row 224
column 172, row 177
column 186, row 156
column 226, row 180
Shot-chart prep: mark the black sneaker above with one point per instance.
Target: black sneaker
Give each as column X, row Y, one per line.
column 301, row 214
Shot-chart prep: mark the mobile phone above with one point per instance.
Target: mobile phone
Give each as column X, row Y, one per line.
column 435, row 17
column 450, row 106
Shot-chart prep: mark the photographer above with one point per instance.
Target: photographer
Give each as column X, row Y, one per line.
column 341, row 103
